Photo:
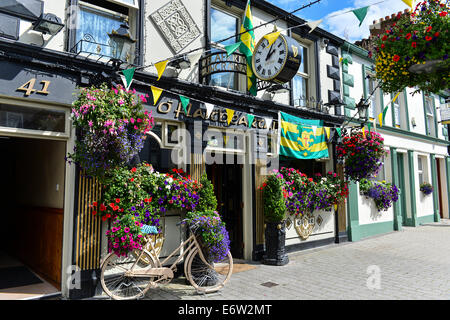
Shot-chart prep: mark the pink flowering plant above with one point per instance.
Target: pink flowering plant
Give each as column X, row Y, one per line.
column 125, row 235
column 111, row 125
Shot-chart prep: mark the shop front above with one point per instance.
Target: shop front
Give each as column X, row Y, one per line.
column 36, row 184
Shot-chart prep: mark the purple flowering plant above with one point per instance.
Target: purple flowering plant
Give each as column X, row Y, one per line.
column 382, row 193
column 212, row 234
column 111, row 125
column 303, row 194
column 426, row 188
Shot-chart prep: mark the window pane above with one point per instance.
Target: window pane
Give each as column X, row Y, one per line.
column 419, row 163
column 222, row 26
column 299, row 89
column 32, row 118
column 397, row 114
column 304, row 63
column 94, row 26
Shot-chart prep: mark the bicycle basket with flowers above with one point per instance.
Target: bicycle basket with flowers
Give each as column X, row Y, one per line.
column 211, row 233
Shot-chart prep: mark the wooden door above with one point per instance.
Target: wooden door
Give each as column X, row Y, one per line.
column 227, row 181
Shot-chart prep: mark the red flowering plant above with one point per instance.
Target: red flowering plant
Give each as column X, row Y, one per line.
column 145, row 195
column 363, row 154
column 111, row 125
column 419, row 38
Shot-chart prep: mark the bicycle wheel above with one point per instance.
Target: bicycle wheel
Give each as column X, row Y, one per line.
column 115, row 281
column 210, row 278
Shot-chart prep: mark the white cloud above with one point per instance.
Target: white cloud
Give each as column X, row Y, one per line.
column 345, row 25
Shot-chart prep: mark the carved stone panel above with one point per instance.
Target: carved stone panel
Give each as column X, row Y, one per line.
column 176, row 25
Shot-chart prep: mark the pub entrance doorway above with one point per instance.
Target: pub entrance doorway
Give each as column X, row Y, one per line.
column 227, row 181
column 32, row 212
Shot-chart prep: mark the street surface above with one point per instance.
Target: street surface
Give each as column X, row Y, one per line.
column 410, row 264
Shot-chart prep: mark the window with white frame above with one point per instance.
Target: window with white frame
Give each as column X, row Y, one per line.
column 223, row 25
column 429, row 115
column 95, row 20
column 373, row 96
column 301, row 81
column 422, row 169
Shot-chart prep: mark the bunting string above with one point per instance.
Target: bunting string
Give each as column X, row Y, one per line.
column 312, row 24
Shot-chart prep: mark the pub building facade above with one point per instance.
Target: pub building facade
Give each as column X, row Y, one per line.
column 46, row 200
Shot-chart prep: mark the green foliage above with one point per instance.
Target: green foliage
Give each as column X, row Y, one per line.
column 274, row 202
column 208, row 200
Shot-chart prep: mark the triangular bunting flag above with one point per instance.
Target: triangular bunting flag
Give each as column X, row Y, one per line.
column 184, row 103
column 156, row 94
column 327, row 132
column 160, row 67
column 230, row 49
column 409, row 3
column 380, row 119
column 314, row 24
column 194, row 57
column 250, row 119
column 272, row 37
column 128, row 73
column 369, row 126
column 345, row 61
column 125, row 84
column 230, row 114
column 339, row 131
column 364, row 132
column 209, row 109
column 361, row 14
column 395, row 98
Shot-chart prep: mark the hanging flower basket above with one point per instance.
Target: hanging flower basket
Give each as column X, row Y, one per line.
column 426, row 188
column 363, row 154
column 111, row 127
column 413, row 52
column 382, row 193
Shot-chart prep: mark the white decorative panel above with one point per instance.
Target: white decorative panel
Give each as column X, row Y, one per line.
column 176, row 25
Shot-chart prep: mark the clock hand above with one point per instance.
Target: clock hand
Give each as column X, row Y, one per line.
column 269, row 53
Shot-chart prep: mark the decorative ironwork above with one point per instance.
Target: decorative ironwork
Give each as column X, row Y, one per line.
column 85, row 45
column 220, row 62
column 176, row 25
column 311, row 103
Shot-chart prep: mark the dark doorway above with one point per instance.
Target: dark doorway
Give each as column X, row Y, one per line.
column 402, row 187
column 439, row 191
column 227, row 181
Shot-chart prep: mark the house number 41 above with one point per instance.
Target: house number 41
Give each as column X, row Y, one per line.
column 28, row 87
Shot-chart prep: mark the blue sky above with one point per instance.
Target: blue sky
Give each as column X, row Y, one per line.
column 344, row 25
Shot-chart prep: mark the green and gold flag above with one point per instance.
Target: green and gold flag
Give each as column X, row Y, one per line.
column 302, row 138
column 247, row 46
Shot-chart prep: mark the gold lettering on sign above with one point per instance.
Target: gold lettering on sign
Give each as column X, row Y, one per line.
column 165, row 107
column 28, row 87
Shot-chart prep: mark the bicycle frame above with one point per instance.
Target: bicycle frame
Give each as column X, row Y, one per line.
column 159, row 270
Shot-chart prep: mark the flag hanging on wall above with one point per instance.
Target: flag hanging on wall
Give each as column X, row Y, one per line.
column 302, row 138
column 247, row 46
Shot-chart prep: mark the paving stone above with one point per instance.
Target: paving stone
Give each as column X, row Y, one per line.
column 413, row 264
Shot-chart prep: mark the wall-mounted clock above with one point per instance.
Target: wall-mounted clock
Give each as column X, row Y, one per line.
column 278, row 62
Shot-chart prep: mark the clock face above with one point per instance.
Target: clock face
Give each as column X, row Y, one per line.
column 269, row 61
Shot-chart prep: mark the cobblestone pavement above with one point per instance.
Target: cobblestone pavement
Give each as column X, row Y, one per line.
column 410, row 264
